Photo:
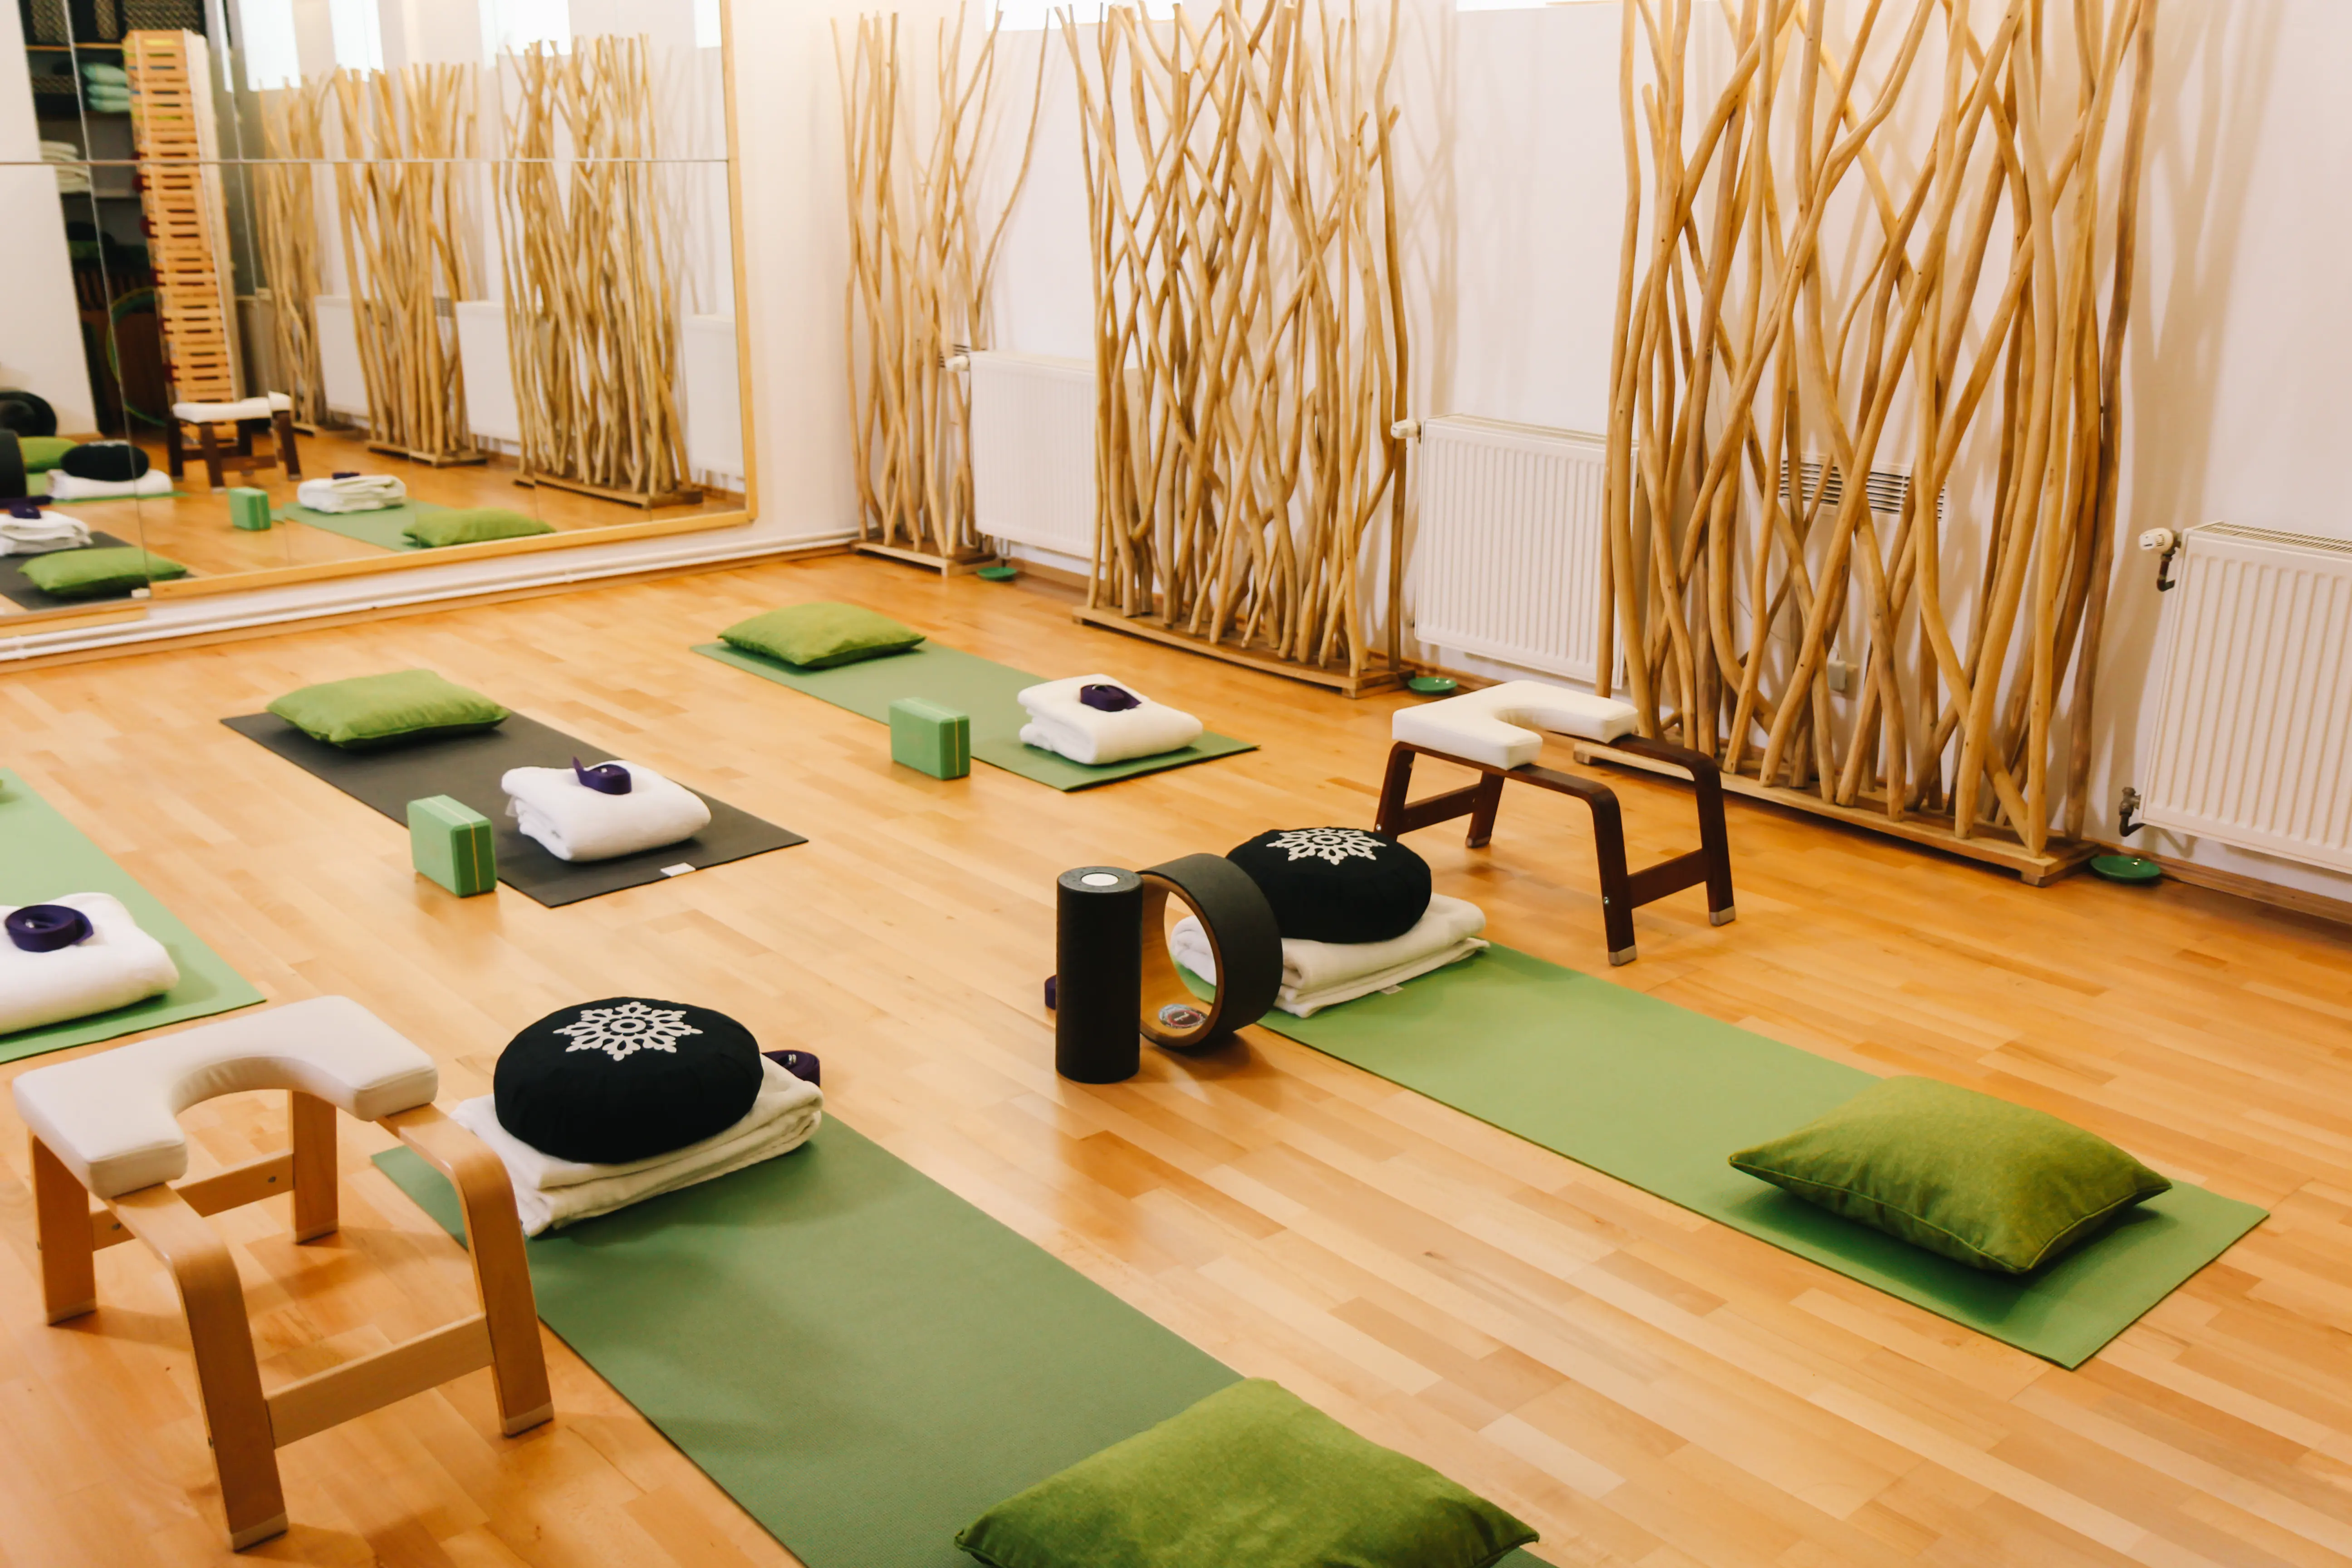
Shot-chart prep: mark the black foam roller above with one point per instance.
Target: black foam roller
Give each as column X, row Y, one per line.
column 12, row 467
column 1099, row 974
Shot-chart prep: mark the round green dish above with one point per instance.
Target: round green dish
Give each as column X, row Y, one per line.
column 997, row 574
column 1430, row 686
column 2126, row 868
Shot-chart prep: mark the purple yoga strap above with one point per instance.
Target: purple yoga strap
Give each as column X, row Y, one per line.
column 45, row 928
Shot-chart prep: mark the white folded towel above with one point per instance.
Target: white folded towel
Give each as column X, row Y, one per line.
column 551, row 1193
column 572, row 822
column 114, row 966
column 1318, row 974
column 35, row 536
column 1059, row 723
column 352, row 493
column 64, row 486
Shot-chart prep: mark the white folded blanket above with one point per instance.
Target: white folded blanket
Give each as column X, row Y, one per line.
column 1318, row 974
column 352, row 493
column 64, row 486
column 572, row 822
column 114, row 966
column 1059, row 723
column 551, row 1193
column 35, row 536
column 260, row 407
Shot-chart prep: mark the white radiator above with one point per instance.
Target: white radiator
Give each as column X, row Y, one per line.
column 1032, row 451
column 2254, row 724
column 1508, row 562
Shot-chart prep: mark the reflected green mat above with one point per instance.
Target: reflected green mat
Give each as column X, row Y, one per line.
column 381, row 528
column 42, row 856
column 980, row 687
column 860, row 1358
column 1659, row 1096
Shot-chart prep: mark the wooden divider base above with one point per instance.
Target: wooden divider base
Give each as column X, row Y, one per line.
column 1376, row 675
column 945, row 565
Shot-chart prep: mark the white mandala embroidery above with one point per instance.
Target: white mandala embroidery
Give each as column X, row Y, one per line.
column 632, row 1026
column 1336, row 844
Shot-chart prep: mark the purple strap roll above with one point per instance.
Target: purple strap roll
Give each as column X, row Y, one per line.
column 802, row 1065
column 29, row 509
column 604, row 778
column 344, row 474
column 44, row 928
column 1108, row 699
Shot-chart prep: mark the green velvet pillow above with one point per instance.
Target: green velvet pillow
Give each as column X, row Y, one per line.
column 1250, row 1475
column 96, row 572
column 1997, row 1185
column 817, row 637
column 43, row 453
column 384, row 710
column 471, row 525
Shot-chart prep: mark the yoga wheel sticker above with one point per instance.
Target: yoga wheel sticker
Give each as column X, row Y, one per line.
column 1117, row 984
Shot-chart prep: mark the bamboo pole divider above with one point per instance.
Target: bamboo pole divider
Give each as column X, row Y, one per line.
column 293, row 136
column 1773, row 377
column 1250, row 332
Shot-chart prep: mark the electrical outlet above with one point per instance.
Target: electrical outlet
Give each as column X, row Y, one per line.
column 1841, row 675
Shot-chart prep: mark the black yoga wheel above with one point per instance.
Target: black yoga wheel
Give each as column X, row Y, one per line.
column 1098, row 974
column 1242, row 936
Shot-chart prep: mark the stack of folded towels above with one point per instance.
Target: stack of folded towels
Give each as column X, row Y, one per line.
column 27, row 530
column 106, row 89
column 351, row 493
column 1094, row 720
column 595, row 814
column 1356, row 914
column 605, row 1104
column 76, row 955
column 73, row 170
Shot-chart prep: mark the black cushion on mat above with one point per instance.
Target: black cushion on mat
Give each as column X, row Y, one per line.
column 1337, row 884
column 117, row 462
column 628, row 1077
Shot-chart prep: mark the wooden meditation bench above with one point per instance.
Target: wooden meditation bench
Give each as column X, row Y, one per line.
column 1497, row 732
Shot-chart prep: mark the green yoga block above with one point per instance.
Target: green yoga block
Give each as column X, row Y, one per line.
column 450, row 842
column 930, row 739
column 248, row 508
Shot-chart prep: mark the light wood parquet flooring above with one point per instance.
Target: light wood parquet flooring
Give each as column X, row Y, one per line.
column 1647, row 1387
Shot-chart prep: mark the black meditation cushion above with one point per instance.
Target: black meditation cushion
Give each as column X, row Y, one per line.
column 1337, row 884
column 625, row 1079
column 116, row 462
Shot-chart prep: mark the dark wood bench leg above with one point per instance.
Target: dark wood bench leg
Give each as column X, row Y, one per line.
column 1616, row 885
column 1484, row 805
column 176, row 450
column 209, row 445
column 1395, row 784
column 1714, row 841
column 289, row 456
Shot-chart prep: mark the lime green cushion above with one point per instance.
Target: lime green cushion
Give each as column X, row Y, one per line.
column 1250, row 1475
column 817, row 637
column 96, row 572
column 43, row 453
column 1997, row 1185
column 471, row 525
column 383, row 710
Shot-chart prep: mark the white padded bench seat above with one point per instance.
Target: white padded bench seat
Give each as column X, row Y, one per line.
column 260, row 407
column 113, row 1118
column 1498, row 725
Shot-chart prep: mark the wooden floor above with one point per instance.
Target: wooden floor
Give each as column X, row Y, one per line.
column 1646, row 1387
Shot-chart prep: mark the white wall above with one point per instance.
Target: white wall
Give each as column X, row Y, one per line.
column 40, row 323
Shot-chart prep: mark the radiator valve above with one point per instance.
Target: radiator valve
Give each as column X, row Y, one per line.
column 2167, row 543
column 1406, row 430
column 2127, row 820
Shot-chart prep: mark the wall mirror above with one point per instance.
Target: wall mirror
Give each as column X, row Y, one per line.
column 364, row 284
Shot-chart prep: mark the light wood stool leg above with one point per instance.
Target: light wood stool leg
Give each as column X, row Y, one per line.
column 317, row 1205
column 61, row 1206
column 236, row 1416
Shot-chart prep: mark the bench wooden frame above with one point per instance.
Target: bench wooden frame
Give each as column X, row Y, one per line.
column 239, row 458
column 1620, row 891
column 245, row 1426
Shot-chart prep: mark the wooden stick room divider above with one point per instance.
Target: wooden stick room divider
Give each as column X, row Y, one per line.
column 1862, row 448
column 409, row 232
column 921, row 260
column 1250, row 339
column 293, row 138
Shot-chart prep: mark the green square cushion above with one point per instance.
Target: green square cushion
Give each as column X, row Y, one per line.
column 817, row 637
column 43, row 453
column 1995, row 1185
column 1251, row 1475
column 471, row 525
column 382, row 709
column 96, row 573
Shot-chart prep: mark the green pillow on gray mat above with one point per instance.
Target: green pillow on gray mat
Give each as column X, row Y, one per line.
column 1250, row 1475
column 98, row 572
column 471, row 525
column 820, row 635
column 383, row 710
column 1997, row 1185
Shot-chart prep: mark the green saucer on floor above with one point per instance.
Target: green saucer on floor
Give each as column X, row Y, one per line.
column 997, row 574
column 1430, row 686
column 2126, row 868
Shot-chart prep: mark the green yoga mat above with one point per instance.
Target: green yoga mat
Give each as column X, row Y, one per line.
column 381, row 529
column 980, row 687
column 43, row 856
column 860, row 1358
column 1659, row 1096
